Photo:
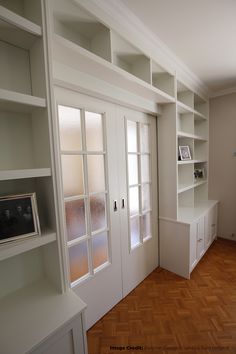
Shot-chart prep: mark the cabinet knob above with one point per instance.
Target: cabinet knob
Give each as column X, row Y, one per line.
column 200, row 240
column 213, row 225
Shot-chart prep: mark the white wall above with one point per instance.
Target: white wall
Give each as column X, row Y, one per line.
column 222, row 167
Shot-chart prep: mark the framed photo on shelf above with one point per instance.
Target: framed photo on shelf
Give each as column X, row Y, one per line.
column 199, row 173
column 184, row 153
column 18, row 217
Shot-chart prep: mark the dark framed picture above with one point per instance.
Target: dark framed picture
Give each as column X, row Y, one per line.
column 18, row 217
column 184, row 153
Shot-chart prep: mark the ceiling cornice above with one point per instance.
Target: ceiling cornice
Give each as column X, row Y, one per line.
column 223, row 92
column 117, row 16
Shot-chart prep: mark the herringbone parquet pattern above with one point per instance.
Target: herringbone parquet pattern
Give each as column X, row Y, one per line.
column 167, row 314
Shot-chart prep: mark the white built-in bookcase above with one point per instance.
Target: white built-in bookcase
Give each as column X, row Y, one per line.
column 26, row 166
column 25, row 153
column 186, row 123
column 83, row 44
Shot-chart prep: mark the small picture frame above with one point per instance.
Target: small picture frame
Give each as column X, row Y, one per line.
column 199, row 173
column 18, row 217
column 184, row 153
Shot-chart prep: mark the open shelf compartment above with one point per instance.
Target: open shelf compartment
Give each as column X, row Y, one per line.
column 185, row 95
column 22, row 13
column 130, row 59
column 162, row 80
column 17, row 30
column 200, row 105
column 78, row 26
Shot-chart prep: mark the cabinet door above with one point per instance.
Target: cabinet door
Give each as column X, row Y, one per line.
column 193, row 245
column 200, row 237
column 210, row 226
column 214, row 215
column 207, row 240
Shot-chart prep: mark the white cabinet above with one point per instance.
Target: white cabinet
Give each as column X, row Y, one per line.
column 182, row 245
column 67, row 340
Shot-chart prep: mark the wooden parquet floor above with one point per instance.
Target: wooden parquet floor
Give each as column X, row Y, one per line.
column 167, row 314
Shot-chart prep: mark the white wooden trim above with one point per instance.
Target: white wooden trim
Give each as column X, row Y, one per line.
column 11, row 249
column 186, row 188
column 27, row 173
column 223, row 92
column 23, row 102
column 190, row 161
column 19, row 21
column 188, row 135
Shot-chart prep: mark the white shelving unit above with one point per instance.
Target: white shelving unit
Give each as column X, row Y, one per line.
column 25, row 167
column 94, row 48
column 185, row 210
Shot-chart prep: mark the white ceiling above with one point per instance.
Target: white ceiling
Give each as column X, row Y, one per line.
column 201, row 33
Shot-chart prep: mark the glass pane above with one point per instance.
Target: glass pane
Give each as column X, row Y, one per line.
column 146, row 225
column 134, row 201
column 99, row 249
column 96, row 176
column 78, row 258
column 144, row 137
column 132, row 136
column 146, row 202
column 94, row 132
column 72, row 172
column 75, row 219
column 134, row 232
column 70, row 128
column 133, row 169
column 98, row 211
column 145, row 168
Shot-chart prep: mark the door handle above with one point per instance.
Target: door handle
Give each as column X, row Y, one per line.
column 200, row 240
column 123, row 203
column 115, row 205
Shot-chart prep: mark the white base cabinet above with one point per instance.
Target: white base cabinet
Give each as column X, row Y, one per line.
column 183, row 243
column 67, row 340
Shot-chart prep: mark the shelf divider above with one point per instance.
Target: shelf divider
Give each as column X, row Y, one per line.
column 19, row 102
column 25, row 173
column 10, row 249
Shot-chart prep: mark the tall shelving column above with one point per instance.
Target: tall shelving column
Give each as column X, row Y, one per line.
column 188, row 219
column 32, row 283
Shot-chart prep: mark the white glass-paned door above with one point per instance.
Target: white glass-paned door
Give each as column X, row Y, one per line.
column 138, row 181
column 83, row 157
column 89, row 186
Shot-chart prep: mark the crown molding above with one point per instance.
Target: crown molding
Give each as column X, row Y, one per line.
column 119, row 18
column 223, row 92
